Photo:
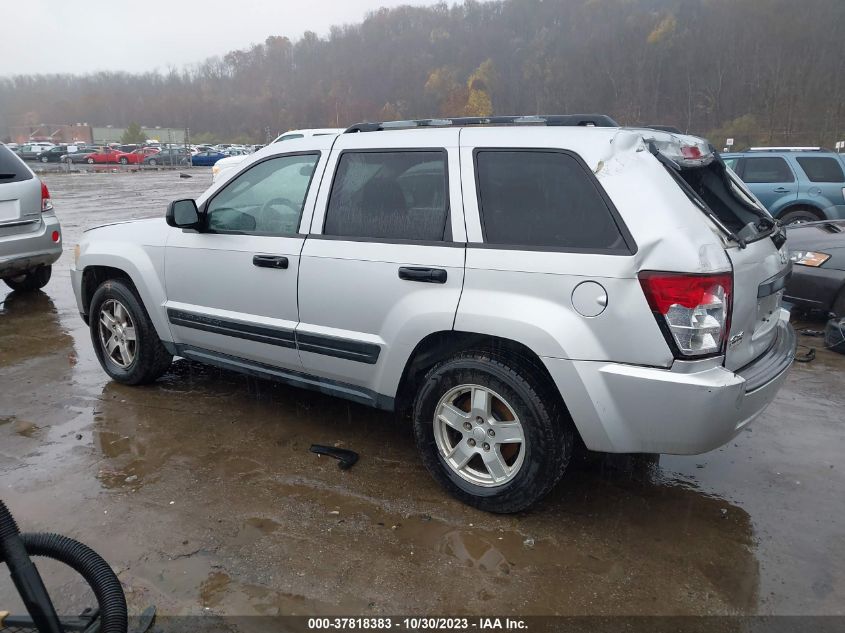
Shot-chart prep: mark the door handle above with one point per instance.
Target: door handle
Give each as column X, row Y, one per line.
column 270, row 261
column 782, row 190
column 425, row 275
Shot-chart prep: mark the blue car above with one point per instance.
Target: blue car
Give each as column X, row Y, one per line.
column 206, row 159
column 796, row 184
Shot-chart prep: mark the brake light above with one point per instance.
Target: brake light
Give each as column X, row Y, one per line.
column 694, row 309
column 46, row 203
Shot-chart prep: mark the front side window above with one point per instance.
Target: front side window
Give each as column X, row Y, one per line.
column 267, row 199
column 821, row 169
column 766, row 169
column 389, row 195
column 542, row 199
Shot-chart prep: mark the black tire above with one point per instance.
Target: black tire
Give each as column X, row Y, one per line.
column 838, row 307
column 799, row 215
column 151, row 358
column 31, row 280
column 549, row 432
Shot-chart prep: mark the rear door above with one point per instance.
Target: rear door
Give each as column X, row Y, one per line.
column 20, row 196
column 384, row 264
column 827, row 180
column 771, row 179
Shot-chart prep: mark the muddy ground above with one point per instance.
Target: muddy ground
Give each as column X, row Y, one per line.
column 201, row 492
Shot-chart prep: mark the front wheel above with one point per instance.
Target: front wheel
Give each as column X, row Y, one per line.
column 491, row 433
column 90, row 161
column 30, row 280
column 124, row 160
column 44, row 159
column 124, row 338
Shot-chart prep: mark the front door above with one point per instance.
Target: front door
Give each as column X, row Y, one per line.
column 231, row 288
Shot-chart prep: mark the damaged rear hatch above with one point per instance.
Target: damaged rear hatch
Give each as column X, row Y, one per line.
column 753, row 241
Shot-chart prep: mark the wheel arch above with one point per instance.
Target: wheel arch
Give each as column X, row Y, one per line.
column 438, row 346
column 143, row 281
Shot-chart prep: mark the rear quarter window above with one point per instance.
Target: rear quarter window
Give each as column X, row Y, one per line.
column 821, row 168
column 12, row 168
column 543, row 198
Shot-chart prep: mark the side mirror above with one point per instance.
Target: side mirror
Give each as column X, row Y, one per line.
column 183, row 214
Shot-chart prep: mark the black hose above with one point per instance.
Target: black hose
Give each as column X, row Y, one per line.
column 87, row 563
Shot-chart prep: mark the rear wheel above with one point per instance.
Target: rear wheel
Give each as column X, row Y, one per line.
column 30, row 280
column 124, row 160
column 491, row 433
column 44, row 159
column 153, row 161
column 799, row 215
column 124, row 338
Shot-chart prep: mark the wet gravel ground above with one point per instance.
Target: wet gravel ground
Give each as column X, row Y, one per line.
column 201, row 492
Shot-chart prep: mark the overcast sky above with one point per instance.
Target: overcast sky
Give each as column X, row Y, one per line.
column 50, row 36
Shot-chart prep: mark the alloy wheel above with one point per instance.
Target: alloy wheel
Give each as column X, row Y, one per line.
column 479, row 435
column 117, row 333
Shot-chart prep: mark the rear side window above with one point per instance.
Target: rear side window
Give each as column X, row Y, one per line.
column 821, row 169
column 545, row 199
column 389, row 195
column 765, row 169
column 12, row 168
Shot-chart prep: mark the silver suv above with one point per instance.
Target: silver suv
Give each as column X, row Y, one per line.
column 30, row 235
column 516, row 285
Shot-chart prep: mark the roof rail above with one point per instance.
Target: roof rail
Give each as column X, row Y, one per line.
column 787, row 149
column 569, row 120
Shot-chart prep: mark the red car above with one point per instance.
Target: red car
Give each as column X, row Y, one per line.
column 108, row 155
column 137, row 157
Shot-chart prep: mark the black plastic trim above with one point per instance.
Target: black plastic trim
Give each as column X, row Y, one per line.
column 630, row 243
column 347, row 349
column 358, row 351
column 776, row 283
column 260, row 334
column 294, row 378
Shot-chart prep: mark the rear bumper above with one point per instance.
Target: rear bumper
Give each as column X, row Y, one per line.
column 692, row 408
column 25, row 251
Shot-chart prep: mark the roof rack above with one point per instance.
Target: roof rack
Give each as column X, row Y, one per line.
column 568, row 120
column 787, row 149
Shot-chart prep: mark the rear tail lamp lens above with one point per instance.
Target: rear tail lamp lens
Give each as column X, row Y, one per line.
column 46, row 203
column 694, row 310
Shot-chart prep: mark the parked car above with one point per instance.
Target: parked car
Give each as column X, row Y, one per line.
column 817, row 250
column 207, row 159
column 796, row 184
column 136, row 157
column 231, row 162
column 108, row 155
column 80, row 155
column 30, row 151
column 514, row 287
column 30, row 234
column 168, row 156
column 52, row 155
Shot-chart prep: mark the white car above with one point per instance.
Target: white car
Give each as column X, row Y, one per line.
column 516, row 285
column 226, row 164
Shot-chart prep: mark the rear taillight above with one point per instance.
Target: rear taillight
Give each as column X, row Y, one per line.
column 46, row 203
column 694, row 310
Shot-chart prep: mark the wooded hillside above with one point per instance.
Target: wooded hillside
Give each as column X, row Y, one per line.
column 763, row 71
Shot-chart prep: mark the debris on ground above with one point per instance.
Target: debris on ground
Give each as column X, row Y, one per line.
column 346, row 458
